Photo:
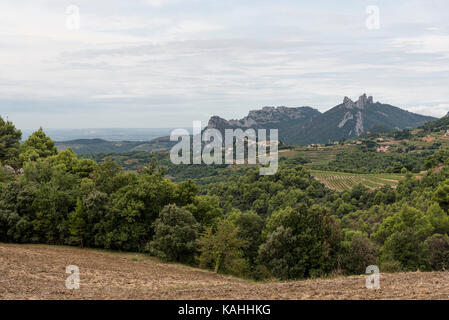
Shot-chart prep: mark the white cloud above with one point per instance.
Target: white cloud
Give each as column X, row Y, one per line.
column 196, row 58
column 438, row 110
column 158, row 3
column 423, row 44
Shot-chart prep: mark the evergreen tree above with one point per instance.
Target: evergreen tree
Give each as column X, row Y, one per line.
column 9, row 142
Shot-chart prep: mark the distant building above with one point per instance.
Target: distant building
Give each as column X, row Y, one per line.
column 382, row 149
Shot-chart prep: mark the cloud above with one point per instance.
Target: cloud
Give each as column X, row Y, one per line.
column 423, row 44
column 175, row 61
column 158, row 3
column 438, row 110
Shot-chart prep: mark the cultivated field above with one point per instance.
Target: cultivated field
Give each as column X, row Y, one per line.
column 38, row 272
column 341, row 181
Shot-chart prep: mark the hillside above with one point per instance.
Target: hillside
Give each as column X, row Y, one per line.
column 38, row 272
column 329, row 210
column 437, row 125
column 305, row 125
column 353, row 119
column 88, row 146
column 347, row 163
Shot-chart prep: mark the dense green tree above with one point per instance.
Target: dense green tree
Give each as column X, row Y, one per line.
column 38, row 145
column 206, row 210
column 279, row 254
column 250, row 226
column 357, row 252
column 314, row 250
column 175, row 235
column 442, row 195
column 222, row 250
column 86, row 222
column 406, row 248
column 438, row 219
column 438, row 251
column 9, row 142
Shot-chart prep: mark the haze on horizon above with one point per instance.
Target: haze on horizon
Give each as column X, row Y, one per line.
column 165, row 63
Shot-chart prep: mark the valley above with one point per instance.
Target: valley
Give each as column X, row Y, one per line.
column 142, row 227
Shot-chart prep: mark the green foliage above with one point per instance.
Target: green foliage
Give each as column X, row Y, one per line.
column 206, row 209
column 405, row 248
column 439, row 157
column 222, row 250
column 133, row 209
column 38, row 145
column 279, row 254
column 436, row 125
column 250, row 226
column 86, row 222
column 357, row 252
column 264, row 194
column 442, row 195
column 375, row 162
column 9, row 142
column 287, row 225
column 175, row 235
column 301, row 242
column 438, row 251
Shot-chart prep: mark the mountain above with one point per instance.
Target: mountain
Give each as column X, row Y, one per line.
column 283, row 118
column 352, row 119
column 306, row 125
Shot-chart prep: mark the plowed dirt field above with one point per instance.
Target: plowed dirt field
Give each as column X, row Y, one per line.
column 38, row 272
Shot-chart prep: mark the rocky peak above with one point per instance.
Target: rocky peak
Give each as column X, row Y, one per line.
column 258, row 118
column 348, row 103
column 216, row 122
column 361, row 103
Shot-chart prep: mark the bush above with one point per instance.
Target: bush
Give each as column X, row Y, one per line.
column 358, row 253
column 300, row 243
column 278, row 254
column 406, row 248
column 176, row 235
column 438, row 251
column 222, row 251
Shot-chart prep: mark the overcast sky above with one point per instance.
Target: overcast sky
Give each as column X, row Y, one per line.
column 165, row 63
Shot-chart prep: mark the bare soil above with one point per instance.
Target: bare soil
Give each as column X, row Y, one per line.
column 38, row 272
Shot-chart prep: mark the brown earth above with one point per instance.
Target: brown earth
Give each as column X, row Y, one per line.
column 38, row 272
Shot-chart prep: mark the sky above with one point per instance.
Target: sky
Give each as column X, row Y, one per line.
column 166, row 63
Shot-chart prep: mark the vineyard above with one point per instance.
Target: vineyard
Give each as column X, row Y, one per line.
column 340, row 181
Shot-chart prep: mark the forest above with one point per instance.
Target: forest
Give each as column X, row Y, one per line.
column 284, row 226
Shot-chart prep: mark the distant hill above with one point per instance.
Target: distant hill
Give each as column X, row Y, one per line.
column 108, row 134
column 86, row 146
column 305, row 125
column 437, row 125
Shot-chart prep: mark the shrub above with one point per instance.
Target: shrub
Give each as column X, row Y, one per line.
column 406, row 248
column 438, row 251
column 222, row 251
column 176, row 235
column 357, row 253
column 300, row 243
